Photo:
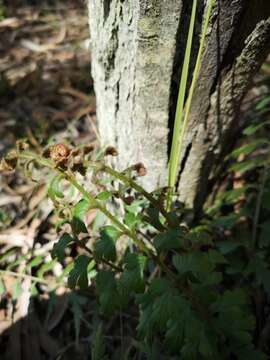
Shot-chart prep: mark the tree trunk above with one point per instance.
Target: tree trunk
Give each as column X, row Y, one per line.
column 137, row 52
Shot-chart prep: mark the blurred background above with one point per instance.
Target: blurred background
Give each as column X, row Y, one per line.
column 46, row 95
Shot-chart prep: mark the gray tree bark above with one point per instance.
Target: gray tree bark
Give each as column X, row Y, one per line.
column 137, row 52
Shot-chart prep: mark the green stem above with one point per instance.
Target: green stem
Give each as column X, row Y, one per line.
column 72, row 180
column 24, row 276
column 196, row 73
column 128, row 181
column 180, row 126
column 95, row 203
column 175, row 149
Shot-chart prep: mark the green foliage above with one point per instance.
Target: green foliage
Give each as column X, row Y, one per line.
column 54, row 189
column 177, row 132
column 58, row 250
column 199, row 289
column 105, row 246
column 170, row 239
column 132, row 279
column 109, row 296
column 2, row 10
column 79, row 211
column 181, row 116
column 78, row 276
column 98, row 351
column 76, row 302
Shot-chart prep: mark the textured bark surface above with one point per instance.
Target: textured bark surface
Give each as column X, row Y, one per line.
column 133, row 44
column 231, row 60
column 137, row 48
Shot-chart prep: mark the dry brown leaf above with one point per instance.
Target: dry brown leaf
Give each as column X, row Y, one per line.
column 11, row 23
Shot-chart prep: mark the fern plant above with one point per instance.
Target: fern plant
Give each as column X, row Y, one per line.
column 193, row 289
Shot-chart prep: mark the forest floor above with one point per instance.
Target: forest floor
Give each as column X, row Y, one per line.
column 46, row 95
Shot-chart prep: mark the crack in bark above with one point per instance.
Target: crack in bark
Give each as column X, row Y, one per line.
column 210, row 146
column 183, row 162
column 106, row 9
column 111, row 52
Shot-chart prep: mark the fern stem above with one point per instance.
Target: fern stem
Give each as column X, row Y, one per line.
column 28, row 155
column 107, row 213
column 126, row 180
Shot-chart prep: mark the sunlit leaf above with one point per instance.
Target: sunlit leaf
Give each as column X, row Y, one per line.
column 54, row 189
column 59, row 247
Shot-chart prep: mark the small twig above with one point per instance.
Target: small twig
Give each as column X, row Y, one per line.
column 24, row 276
column 96, row 204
